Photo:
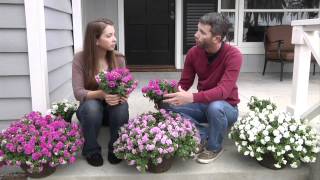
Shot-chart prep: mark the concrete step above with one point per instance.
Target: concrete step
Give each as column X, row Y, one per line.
column 230, row 166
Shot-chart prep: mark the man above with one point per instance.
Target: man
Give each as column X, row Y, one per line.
column 217, row 65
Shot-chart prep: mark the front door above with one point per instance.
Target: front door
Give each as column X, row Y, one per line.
column 149, row 32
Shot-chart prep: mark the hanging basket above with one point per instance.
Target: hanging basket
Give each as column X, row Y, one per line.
column 269, row 161
column 164, row 166
column 47, row 171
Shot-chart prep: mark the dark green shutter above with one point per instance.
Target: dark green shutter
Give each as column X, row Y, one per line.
column 193, row 10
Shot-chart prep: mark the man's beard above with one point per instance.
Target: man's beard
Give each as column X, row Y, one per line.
column 203, row 45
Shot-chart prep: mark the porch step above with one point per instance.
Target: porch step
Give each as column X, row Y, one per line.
column 230, row 166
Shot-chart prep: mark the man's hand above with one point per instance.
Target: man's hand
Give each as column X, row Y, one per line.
column 112, row 99
column 179, row 98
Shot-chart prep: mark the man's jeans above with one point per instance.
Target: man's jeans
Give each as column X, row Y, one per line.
column 91, row 115
column 218, row 114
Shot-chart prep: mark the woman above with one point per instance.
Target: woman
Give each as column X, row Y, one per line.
column 95, row 105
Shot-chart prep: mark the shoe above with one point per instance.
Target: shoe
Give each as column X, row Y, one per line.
column 113, row 159
column 95, row 160
column 208, row 156
column 201, row 147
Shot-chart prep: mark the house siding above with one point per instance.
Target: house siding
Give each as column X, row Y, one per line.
column 15, row 95
column 59, row 37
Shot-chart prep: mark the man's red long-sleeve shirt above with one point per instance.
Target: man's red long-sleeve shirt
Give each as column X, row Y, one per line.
column 216, row 80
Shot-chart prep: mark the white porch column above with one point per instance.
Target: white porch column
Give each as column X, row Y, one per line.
column 179, row 35
column 37, row 54
column 301, row 69
column 77, row 25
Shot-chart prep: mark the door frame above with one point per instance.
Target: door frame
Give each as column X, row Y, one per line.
column 178, row 54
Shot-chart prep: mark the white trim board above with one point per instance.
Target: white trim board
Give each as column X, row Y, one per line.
column 77, row 25
column 37, row 54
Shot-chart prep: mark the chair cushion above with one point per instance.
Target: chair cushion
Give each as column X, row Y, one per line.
column 285, row 55
column 280, row 32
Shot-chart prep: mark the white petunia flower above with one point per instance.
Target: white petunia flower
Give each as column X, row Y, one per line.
column 244, row 143
column 287, row 148
column 267, row 138
column 269, row 107
column 277, row 165
column 294, row 165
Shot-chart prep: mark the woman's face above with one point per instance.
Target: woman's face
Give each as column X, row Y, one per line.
column 107, row 40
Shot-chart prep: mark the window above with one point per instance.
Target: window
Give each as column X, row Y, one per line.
column 192, row 11
column 259, row 14
column 249, row 18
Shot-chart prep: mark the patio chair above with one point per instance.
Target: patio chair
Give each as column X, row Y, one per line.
column 278, row 47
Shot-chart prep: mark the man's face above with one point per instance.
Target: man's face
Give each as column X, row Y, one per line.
column 204, row 37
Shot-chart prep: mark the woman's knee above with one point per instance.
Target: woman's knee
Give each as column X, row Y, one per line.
column 91, row 110
column 119, row 113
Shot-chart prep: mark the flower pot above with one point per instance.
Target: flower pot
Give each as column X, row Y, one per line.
column 269, row 161
column 47, row 171
column 164, row 166
column 68, row 117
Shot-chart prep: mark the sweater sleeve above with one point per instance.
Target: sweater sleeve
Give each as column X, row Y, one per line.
column 188, row 73
column 79, row 91
column 225, row 85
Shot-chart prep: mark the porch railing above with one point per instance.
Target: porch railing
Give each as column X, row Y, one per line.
column 306, row 39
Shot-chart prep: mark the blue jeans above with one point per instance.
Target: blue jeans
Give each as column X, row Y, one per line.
column 92, row 114
column 218, row 114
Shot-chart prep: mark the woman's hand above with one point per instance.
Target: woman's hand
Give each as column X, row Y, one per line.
column 112, row 99
column 124, row 99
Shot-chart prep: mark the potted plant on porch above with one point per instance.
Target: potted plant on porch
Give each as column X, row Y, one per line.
column 273, row 138
column 151, row 141
column 64, row 108
column 38, row 144
column 157, row 88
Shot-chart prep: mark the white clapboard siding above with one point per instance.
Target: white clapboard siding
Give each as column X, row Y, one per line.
column 10, row 20
column 59, row 5
column 59, row 36
column 59, row 76
column 59, row 57
column 11, row 1
column 65, row 89
column 15, row 87
column 58, row 39
column 15, row 95
column 13, row 40
column 14, row 64
column 62, row 20
column 14, row 108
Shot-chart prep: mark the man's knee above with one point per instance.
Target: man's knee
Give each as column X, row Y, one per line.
column 216, row 107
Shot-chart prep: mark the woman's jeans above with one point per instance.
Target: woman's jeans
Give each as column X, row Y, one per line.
column 218, row 114
column 91, row 114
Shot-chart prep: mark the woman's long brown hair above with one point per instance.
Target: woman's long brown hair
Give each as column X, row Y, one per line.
column 91, row 65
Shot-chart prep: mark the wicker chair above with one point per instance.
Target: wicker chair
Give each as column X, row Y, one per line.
column 278, row 47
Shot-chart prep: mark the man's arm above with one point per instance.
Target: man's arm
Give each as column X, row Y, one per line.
column 225, row 85
column 188, row 73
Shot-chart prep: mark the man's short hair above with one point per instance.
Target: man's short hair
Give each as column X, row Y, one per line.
column 220, row 24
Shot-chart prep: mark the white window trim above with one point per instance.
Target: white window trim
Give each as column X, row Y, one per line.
column 37, row 54
column 121, row 42
column 178, row 35
column 77, row 25
column 251, row 47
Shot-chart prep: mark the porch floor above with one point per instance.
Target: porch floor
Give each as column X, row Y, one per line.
column 231, row 165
